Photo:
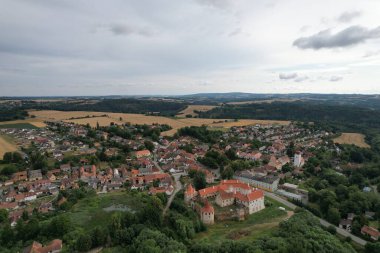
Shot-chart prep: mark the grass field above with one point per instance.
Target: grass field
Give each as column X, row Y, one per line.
column 6, row 145
column 257, row 225
column 119, row 118
column 89, row 212
column 191, row 108
column 352, row 138
column 27, row 123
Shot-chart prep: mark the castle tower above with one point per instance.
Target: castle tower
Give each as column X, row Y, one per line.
column 190, row 193
column 207, row 213
column 298, row 160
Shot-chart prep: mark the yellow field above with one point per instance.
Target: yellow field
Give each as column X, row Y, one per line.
column 191, row 108
column 352, row 138
column 6, row 146
column 119, row 118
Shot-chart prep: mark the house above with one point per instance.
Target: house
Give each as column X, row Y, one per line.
column 142, row 153
column 371, row 232
column 20, row 176
column 65, row 168
column 268, row 182
column 34, row 175
column 346, row 224
column 54, row 246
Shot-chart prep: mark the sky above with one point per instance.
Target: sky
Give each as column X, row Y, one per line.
column 166, row 47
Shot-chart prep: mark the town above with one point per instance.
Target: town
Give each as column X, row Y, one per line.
column 63, row 156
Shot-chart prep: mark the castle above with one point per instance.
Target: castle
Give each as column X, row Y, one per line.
column 227, row 193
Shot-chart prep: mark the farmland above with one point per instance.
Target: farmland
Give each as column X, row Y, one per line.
column 104, row 119
column 6, row 145
column 352, row 138
column 27, row 123
column 191, row 110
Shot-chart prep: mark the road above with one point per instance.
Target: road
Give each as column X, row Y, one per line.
column 178, row 187
column 322, row 221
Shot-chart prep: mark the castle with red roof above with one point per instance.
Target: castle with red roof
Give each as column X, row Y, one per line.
column 227, row 193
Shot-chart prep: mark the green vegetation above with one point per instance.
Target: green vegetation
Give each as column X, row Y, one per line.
column 19, row 126
column 124, row 105
column 8, row 113
column 257, row 225
column 201, row 133
column 300, row 233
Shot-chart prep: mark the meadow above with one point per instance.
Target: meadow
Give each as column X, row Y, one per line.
column 190, row 110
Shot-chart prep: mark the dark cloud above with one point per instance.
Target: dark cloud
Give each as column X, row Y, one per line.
column 124, row 29
column 347, row 16
column 287, row 76
column 350, row 36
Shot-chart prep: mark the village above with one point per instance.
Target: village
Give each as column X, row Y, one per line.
column 137, row 158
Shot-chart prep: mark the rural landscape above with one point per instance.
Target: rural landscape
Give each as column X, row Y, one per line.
column 198, row 126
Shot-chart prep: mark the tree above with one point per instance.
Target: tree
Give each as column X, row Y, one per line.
column 84, row 243
column 199, row 180
column 149, row 145
column 333, row 215
column 227, row 173
column 3, row 215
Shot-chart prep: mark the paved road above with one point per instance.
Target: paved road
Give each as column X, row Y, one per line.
column 178, row 187
column 323, row 222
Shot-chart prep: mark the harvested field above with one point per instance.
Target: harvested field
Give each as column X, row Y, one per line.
column 190, row 110
column 119, row 118
column 352, row 138
column 6, row 145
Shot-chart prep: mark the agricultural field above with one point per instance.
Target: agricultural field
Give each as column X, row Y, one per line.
column 104, row 119
column 6, row 145
column 257, row 225
column 352, row 138
column 190, row 110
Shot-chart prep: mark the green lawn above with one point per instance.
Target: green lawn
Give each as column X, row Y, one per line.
column 256, row 225
column 89, row 212
column 19, row 125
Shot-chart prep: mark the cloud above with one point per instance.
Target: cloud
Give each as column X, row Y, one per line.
column 348, row 16
column 301, row 79
column 336, row 78
column 287, row 76
column 371, row 54
column 220, row 4
column 325, row 39
column 124, row 29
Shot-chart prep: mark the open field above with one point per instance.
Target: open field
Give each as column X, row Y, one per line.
column 256, row 225
column 96, row 210
column 190, row 110
column 6, row 145
column 119, row 118
column 352, row 138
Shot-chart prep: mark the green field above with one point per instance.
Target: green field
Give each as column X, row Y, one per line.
column 19, row 125
column 256, row 225
column 89, row 212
